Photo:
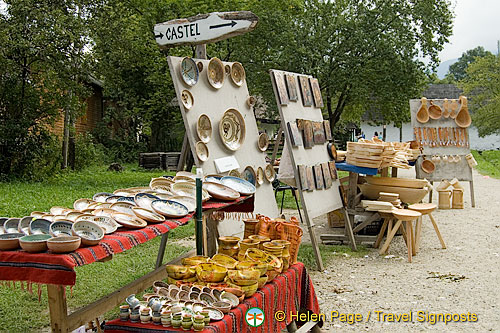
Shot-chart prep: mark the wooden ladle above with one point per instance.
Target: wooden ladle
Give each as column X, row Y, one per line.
column 435, row 111
column 446, row 108
column 463, row 118
column 423, row 112
column 428, row 166
column 454, row 108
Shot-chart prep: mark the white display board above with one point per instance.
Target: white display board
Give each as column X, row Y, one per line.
column 316, row 202
column 214, row 102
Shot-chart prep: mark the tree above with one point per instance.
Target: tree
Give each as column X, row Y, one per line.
column 458, row 70
column 482, row 85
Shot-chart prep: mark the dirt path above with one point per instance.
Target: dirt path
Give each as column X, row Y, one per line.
column 392, row 285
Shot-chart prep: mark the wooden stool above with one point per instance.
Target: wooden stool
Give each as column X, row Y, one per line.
column 401, row 215
column 425, row 209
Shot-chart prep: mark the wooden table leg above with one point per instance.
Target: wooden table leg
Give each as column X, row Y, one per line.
column 390, row 236
column 472, row 198
column 408, row 237
column 161, row 250
column 402, row 227
column 389, row 229
column 418, row 231
column 381, row 234
column 58, row 308
column 434, row 224
column 412, row 239
column 430, row 192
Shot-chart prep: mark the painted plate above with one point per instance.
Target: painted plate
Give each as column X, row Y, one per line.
column 234, row 173
column 189, row 202
column 84, row 217
column 148, row 215
column 215, row 73
column 129, row 221
column 232, row 129
column 112, row 199
column 260, row 176
column 270, row 173
column 188, row 189
column 106, row 223
column 101, row 196
column 123, row 207
column 263, row 142
column 104, row 212
column 237, row 74
column 82, row 204
column 202, row 151
column 213, row 178
column 249, row 175
column 204, row 128
column 214, row 313
column 170, row 208
column 238, row 184
column 57, row 210
column 189, row 71
column 220, row 191
column 130, row 200
column 73, row 215
column 186, row 174
column 144, row 200
column 187, row 99
column 122, row 192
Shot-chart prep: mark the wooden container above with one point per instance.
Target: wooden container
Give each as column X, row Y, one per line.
column 444, row 201
column 458, row 199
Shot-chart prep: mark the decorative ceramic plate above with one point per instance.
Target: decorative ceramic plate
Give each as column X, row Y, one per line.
column 164, row 195
column 37, row 226
column 123, row 192
column 214, row 314
column 104, row 212
column 73, row 215
column 123, row 207
column 160, row 181
column 189, row 71
column 202, row 151
column 82, row 204
column 24, row 225
column 87, row 230
column 213, row 178
column 204, row 128
column 215, row 73
column 57, row 210
column 249, row 175
column 232, row 129
column 97, row 205
column 84, row 217
column 129, row 221
column 112, row 199
column 49, row 217
column 161, row 189
column 107, row 223
column 270, row 173
column 144, row 200
column 238, row 184
column 234, row 173
column 148, row 215
column 186, row 174
column 260, row 176
column 237, row 74
column 220, row 191
column 170, row 208
column 263, row 142
column 187, row 99
column 101, row 196
column 188, row 189
column 189, row 202
column 183, row 179
column 129, row 200
column 60, row 228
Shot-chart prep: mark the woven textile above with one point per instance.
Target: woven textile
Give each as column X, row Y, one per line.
column 47, row 268
column 291, row 292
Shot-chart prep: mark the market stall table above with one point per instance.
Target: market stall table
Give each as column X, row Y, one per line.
column 58, row 270
column 291, row 292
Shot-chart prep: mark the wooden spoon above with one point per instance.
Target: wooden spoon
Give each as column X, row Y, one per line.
column 446, row 108
column 454, row 108
column 423, row 111
column 463, row 118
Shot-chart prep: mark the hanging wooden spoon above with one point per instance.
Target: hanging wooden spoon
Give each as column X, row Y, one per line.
column 454, row 108
column 463, row 118
column 446, row 108
column 424, row 130
column 423, row 111
column 420, row 136
column 441, row 138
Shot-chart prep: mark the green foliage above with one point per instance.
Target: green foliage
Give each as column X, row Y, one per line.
column 88, row 152
column 488, row 162
column 482, row 86
column 458, row 70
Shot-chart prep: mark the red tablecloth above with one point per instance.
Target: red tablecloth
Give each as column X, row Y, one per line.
column 291, row 292
column 48, row 268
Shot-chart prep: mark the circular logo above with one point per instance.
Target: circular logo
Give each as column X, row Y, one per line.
column 254, row 317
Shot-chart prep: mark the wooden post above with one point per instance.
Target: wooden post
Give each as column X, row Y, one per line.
column 472, row 198
column 277, row 144
column 58, row 308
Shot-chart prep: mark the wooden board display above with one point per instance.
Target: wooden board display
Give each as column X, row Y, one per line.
column 214, row 103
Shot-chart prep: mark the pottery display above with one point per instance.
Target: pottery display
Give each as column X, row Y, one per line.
column 240, row 185
column 215, row 73
column 232, row 129
column 37, row 226
column 204, row 128
column 220, row 191
column 170, row 208
column 189, row 71
column 187, row 99
column 10, row 241
column 63, row 244
column 263, row 142
column 237, row 74
column 90, row 233
column 34, row 243
column 202, row 151
column 60, row 228
column 106, row 223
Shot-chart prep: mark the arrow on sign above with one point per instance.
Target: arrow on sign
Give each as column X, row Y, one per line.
column 232, row 24
column 159, row 36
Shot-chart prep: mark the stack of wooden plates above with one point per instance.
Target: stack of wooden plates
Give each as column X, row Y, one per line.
column 362, row 154
column 372, row 205
column 393, row 198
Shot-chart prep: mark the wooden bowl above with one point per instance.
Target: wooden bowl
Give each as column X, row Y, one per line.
column 435, row 111
column 34, row 243
column 423, row 208
column 407, row 195
column 64, row 244
column 423, row 111
column 180, row 272
column 428, row 166
column 211, row 272
column 10, row 241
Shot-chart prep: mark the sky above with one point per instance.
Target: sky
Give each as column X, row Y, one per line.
column 476, row 23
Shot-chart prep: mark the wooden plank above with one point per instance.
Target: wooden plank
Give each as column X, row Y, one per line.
column 472, row 198
column 277, row 144
column 328, row 238
column 58, row 308
column 184, row 152
column 92, row 311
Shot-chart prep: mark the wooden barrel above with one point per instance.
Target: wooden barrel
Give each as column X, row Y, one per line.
column 444, row 201
column 458, row 199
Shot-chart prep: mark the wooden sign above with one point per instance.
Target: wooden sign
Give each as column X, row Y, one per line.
column 204, row 28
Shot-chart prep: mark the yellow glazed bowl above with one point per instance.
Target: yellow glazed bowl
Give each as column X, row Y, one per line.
column 244, row 277
column 224, row 260
column 262, row 281
column 248, row 290
column 211, row 272
column 193, row 261
column 180, row 272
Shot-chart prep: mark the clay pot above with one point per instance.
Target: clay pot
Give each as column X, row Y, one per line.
column 250, row 225
column 229, row 245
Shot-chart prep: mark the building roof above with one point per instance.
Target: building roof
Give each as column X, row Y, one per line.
column 442, row 91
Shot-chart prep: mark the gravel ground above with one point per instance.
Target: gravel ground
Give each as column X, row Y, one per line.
column 461, row 279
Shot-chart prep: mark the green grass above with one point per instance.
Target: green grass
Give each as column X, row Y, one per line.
column 488, row 162
column 20, row 311
column 328, row 252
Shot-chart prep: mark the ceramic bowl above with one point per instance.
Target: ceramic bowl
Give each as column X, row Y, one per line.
column 106, row 223
column 34, row 243
column 169, row 208
column 159, row 284
column 232, row 129
column 211, row 272
column 179, row 272
column 64, row 244
column 187, row 99
column 148, row 215
column 40, row 226
column 244, row 277
column 270, row 173
column 189, row 202
column 73, row 215
column 37, row 214
column 193, row 261
column 132, row 301
column 237, row 74
column 224, row 260
column 98, row 205
column 240, row 185
column 82, row 204
column 24, row 225
column 114, row 198
column 204, row 128
column 129, row 200
column 207, row 298
column 84, row 217
column 260, row 176
column 263, row 142
column 249, row 290
column 60, row 228
column 145, row 200
column 214, row 314
column 229, row 298
column 48, row 217
column 128, row 220
column 57, row 210
column 262, row 281
column 225, row 307
column 104, row 212
column 11, row 225
column 10, row 241
column 2, row 222
column 216, row 293
column 102, row 196
column 202, row 151
column 123, row 207
column 216, row 73
column 90, row 233
column 220, row 191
